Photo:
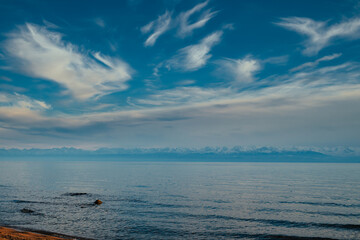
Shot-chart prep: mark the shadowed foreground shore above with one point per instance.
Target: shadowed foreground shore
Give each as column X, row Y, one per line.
column 14, row 234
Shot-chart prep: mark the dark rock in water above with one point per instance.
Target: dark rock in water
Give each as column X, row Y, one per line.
column 85, row 205
column 25, row 210
column 75, row 194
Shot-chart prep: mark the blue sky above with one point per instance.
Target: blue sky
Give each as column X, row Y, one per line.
column 178, row 73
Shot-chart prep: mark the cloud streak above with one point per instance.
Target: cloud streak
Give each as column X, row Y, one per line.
column 165, row 22
column 21, row 101
column 186, row 28
column 43, row 54
column 184, row 95
column 315, row 63
column 194, row 57
column 319, row 34
column 157, row 28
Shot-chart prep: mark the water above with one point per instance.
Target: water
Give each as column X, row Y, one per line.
column 183, row 200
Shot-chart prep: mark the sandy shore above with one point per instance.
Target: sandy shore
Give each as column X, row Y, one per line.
column 13, row 234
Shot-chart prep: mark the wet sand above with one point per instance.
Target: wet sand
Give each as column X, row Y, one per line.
column 13, row 234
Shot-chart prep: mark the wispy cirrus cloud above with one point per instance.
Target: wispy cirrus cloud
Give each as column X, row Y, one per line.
column 185, row 27
column 7, row 79
column 99, row 22
column 332, row 80
column 18, row 111
column 316, row 62
column 319, row 34
column 165, row 22
column 184, row 94
column 157, row 28
column 21, row 101
column 195, row 56
column 239, row 70
column 43, row 54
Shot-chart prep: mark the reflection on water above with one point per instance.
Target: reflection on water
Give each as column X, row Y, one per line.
column 183, row 200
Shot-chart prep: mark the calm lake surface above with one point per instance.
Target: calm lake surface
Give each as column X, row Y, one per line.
column 168, row 200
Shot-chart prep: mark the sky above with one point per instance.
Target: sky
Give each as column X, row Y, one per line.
column 178, row 73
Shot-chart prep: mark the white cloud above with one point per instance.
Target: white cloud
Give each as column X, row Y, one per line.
column 319, row 34
column 157, row 28
column 5, row 78
column 11, row 88
column 239, row 70
column 195, row 56
column 321, row 83
column 186, row 28
column 100, row 22
column 19, row 101
column 164, row 23
column 181, row 95
column 315, row 63
column 186, row 82
column 50, row 25
column 43, row 54
column 278, row 60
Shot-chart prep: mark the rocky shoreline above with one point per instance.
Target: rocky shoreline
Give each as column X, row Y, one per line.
column 20, row 233
column 29, row 234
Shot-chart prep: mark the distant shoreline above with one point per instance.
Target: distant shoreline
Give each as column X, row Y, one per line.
column 15, row 233
column 182, row 154
column 185, row 159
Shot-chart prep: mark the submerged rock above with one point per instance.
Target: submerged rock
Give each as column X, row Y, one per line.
column 26, row 210
column 98, row 202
